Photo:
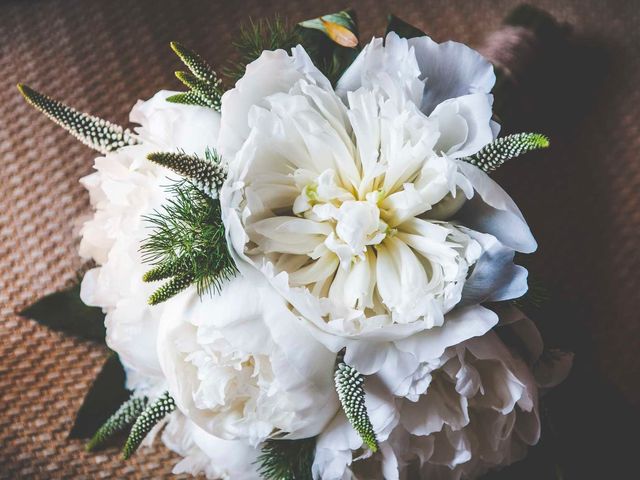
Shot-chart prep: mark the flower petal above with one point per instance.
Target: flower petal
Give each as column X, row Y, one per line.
column 450, row 70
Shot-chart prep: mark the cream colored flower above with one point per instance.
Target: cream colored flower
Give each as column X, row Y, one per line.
column 353, row 201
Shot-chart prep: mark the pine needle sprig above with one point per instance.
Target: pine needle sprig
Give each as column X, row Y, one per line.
column 205, row 87
column 122, row 419
column 349, row 386
column 187, row 244
column 505, row 148
column 256, row 37
column 94, row 132
column 151, row 415
column 287, row 459
column 208, row 174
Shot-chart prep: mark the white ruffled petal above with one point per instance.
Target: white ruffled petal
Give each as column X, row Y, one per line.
column 493, row 211
column 450, row 70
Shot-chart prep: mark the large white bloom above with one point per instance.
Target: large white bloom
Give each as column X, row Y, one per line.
column 473, row 409
column 124, row 188
column 353, row 201
column 205, row 454
column 241, row 366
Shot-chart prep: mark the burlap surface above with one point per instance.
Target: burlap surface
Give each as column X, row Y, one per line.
column 581, row 198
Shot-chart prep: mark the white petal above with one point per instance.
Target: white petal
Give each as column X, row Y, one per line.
column 460, row 325
column 451, row 70
column 493, row 211
column 465, row 124
column 495, row 277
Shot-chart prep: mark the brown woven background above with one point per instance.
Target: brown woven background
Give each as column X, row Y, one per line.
column 581, row 197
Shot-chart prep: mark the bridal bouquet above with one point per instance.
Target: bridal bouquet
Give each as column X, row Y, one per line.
column 307, row 271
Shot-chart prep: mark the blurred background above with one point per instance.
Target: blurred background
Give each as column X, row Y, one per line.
column 581, row 198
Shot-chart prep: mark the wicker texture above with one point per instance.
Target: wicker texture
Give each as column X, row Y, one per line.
column 581, row 198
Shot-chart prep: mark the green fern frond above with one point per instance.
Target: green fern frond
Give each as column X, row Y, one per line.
column 256, row 37
column 94, row 132
column 505, row 148
column 187, row 243
column 206, row 174
column 151, row 415
column 122, row 419
column 203, row 82
column 352, row 397
column 287, row 459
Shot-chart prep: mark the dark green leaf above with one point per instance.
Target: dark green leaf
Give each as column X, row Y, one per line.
column 65, row 312
column 402, row 28
column 105, row 396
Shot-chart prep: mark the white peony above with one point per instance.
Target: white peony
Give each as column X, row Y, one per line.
column 241, row 366
column 473, row 409
column 207, row 455
column 124, row 188
column 353, row 202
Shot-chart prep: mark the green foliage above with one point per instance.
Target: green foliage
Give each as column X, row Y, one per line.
column 352, row 397
column 179, row 282
column 65, row 312
column 505, row 148
column 402, row 28
column 287, row 459
column 151, row 415
column 340, row 27
column 122, row 419
column 187, row 244
column 106, row 394
column 187, row 98
column 207, row 174
column 328, row 56
column 92, row 131
column 258, row 36
column 320, row 37
column 203, row 82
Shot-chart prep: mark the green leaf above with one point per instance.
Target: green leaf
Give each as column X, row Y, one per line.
column 94, row 132
column 120, row 421
column 65, row 312
column 331, row 58
column 106, row 394
column 340, row 27
column 349, row 386
column 402, row 28
column 493, row 155
column 151, row 415
column 287, row 459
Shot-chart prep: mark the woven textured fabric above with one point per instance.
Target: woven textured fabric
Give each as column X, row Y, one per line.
column 581, row 197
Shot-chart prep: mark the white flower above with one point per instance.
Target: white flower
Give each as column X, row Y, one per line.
column 353, row 203
column 124, row 188
column 205, row 454
column 240, row 365
column 475, row 409
column 479, row 411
